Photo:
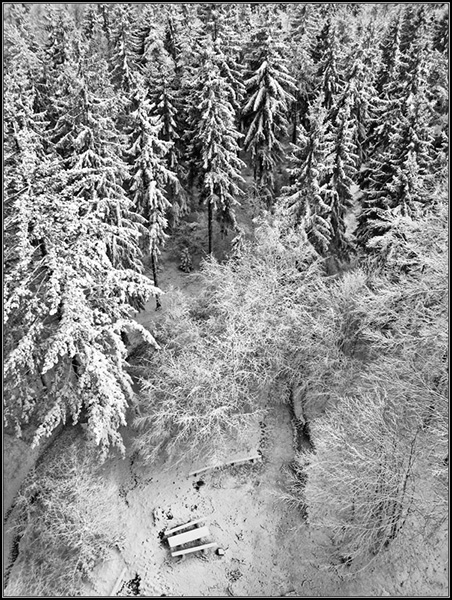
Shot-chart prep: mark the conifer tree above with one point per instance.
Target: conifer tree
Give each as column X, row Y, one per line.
column 301, row 65
column 105, row 9
column 397, row 174
column 400, row 136
column 413, row 29
column 437, row 91
column 92, row 22
column 148, row 32
column 360, row 94
column 323, row 172
column 412, row 156
column 303, row 202
column 441, row 34
column 338, row 193
column 390, row 67
column 183, row 34
column 121, row 59
column 20, row 37
column 215, row 146
column 150, row 176
column 66, row 304
column 221, row 30
column 166, row 104
column 60, row 49
column 62, row 38
column 21, row 50
column 320, row 31
column 227, row 58
column 269, row 97
column 327, row 74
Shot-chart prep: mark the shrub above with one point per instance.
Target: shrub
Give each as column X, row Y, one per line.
column 380, row 456
column 66, row 518
column 222, row 356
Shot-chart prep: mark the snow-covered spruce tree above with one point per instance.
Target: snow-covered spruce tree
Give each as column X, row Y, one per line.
column 338, row 192
column 438, row 92
column 399, row 171
column 183, row 32
column 151, row 177
column 87, row 138
column 60, row 47
column 105, row 12
column 413, row 31
column 416, row 55
column 270, row 91
column 148, row 30
column 20, row 39
column 21, row 53
column 61, row 36
column 221, row 28
column 303, row 202
column 66, row 304
column 301, row 65
column 360, row 93
column 209, row 15
column 412, row 145
column 390, row 66
column 121, row 55
column 93, row 32
column 330, row 82
column 163, row 91
column 214, row 147
column 91, row 22
column 324, row 167
column 318, row 29
column 227, row 56
column 385, row 113
column 397, row 176
column 441, row 33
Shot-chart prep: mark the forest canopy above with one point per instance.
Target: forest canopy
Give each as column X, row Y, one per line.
column 122, row 118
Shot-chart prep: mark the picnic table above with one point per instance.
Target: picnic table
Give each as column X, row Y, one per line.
column 188, row 534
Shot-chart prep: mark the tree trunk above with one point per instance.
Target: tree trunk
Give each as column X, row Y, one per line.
column 158, row 304
column 295, row 123
column 210, row 215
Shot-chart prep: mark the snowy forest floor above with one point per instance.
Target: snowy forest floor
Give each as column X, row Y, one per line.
column 269, row 549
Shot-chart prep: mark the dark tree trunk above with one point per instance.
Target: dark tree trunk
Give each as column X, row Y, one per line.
column 76, row 366
column 158, row 304
column 210, row 215
column 295, row 123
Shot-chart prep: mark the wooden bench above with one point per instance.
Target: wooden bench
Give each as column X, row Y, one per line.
column 195, row 549
column 180, row 527
column 188, row 536
column 237, row 461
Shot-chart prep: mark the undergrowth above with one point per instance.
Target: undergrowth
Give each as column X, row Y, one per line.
column 66, row 521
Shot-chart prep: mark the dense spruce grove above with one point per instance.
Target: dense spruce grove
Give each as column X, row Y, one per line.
column 120, row 119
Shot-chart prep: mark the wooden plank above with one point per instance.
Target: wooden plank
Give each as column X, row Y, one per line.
column 240, row 460
column 179, row 527
column 195, row 549
column 188, row 536
column 230, row 462
column 198, row 471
